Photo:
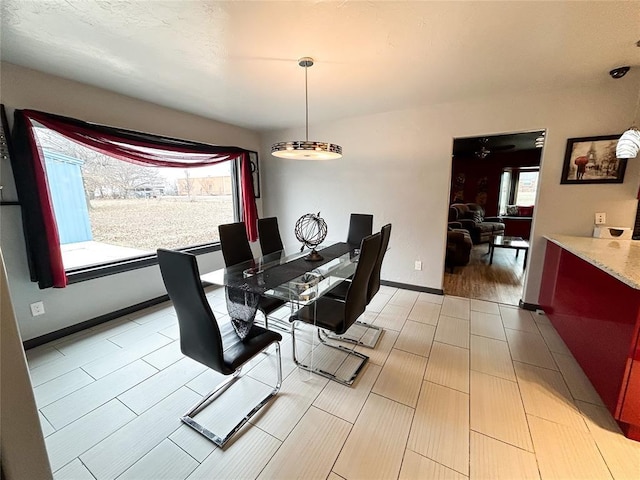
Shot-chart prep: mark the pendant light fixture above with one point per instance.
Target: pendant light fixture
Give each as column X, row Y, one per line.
column 629, row 143
column 306, row 149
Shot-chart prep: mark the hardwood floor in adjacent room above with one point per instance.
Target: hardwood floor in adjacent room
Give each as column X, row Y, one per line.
column 501, row 282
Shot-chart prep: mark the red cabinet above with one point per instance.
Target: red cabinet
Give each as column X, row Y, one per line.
column 598, row 317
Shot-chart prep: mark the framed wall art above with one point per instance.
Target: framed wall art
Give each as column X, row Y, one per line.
column 592, row 160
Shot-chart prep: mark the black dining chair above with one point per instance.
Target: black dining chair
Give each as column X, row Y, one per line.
column 269, row 235
column 331, row 315
column 205, row 340
column 236, row 249
column 374, row 282
column 234, row 243
column 364, row 333
column 360, row 226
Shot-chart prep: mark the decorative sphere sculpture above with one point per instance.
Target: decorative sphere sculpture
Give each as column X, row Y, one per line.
column 311, row 230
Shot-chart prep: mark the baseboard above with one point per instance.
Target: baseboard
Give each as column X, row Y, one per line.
column 416, row 288
column 529, row 306
column 48, row 337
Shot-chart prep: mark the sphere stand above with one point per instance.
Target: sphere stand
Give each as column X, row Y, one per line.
column 313, row 256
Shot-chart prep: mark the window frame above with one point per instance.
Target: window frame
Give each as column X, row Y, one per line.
column 82, row 274
column 513, row 184
column 42, row 242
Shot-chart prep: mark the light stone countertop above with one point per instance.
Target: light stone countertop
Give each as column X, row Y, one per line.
column 619, row 258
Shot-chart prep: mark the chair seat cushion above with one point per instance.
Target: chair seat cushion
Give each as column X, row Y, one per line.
column 237, row 351
column 485, row 227
column 324, row 313
column 339, row 291
column 495, row 226
column 269, row 304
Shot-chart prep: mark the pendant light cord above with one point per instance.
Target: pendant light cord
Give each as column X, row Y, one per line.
column 306, row 149
column 306, row 103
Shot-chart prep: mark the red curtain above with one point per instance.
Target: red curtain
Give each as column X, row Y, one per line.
column 249, row 208
column 130, row 146
column 52, row 238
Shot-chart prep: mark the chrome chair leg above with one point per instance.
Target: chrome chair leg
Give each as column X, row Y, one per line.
column 280, row 325
column 275, row 323
column 372, row 339
column 362, row 360
column 188, row 418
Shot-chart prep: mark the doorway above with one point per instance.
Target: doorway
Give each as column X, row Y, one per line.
column 494, row 183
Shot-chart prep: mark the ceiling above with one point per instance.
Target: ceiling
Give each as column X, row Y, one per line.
column 237, row 61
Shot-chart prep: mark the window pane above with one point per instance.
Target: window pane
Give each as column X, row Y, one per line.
column 109, row 210
column 505, row 188
column 526, row 191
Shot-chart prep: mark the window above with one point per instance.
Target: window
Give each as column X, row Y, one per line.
column 108, row 210
column 518, row 187
column 29, row 166
column 525, row 191
column 505, row 192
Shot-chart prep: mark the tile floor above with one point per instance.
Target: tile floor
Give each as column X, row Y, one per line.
column 456, row 388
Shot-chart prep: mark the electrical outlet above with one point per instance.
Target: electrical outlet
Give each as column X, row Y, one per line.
column 418, row 265
column 37, row 309
column 601, row 218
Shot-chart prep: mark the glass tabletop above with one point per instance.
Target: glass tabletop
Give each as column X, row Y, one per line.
column 287, row 276
column 507, row 241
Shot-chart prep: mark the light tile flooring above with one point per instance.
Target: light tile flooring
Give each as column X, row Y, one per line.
column 456, row 388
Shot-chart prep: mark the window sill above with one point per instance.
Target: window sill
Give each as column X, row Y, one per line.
column 83, row 274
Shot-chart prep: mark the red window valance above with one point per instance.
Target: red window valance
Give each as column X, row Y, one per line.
column 126, row 145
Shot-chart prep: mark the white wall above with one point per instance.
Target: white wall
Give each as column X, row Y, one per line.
column 22, row 444
column 397, row 165
column 24, row 88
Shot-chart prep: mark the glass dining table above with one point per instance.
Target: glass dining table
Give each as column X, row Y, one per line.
column 289, row 277
column 286, row 275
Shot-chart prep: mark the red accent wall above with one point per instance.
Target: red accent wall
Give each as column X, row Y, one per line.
column 475, row 170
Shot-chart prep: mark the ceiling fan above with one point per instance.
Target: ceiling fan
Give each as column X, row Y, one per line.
column 485, row 149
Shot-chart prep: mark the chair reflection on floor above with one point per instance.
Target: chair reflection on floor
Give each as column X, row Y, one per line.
column 327, row 314
column 216, row 346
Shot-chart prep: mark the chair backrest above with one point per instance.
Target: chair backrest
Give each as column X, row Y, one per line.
column 453, row 214
column 462, row 210
column 360, row 226
column 235, row 244
column 355, row 301
column 200, row 337
column 269, row 235
column 374, row 280
column 476, row 208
